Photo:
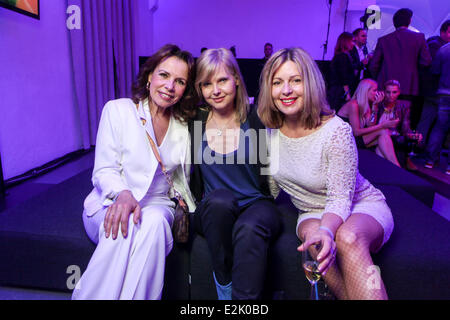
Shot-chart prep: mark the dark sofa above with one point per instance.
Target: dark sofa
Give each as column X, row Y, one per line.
column 42, row 240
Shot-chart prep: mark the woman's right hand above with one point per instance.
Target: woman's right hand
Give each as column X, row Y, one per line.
column 390, row 123
column 327, row 253
column 119, row 212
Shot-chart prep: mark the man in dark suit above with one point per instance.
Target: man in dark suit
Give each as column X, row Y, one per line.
column 430, row 83
column 268, row 50
column 398, row 56
column 360, row 54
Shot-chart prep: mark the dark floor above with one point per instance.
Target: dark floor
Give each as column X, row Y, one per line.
column 32, row 187
column 27, row 190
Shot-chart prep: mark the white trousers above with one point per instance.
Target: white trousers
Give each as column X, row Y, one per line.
column 127, row 268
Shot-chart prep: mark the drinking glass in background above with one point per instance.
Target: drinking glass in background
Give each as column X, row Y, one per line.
column 413, row 138
column 393, row 116
column 311, row 266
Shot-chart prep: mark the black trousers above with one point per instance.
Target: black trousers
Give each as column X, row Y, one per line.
column 238, row 240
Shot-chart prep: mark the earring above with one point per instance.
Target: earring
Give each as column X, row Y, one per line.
column 148, row 85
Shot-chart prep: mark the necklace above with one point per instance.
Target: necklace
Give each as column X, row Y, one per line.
column 221, row 129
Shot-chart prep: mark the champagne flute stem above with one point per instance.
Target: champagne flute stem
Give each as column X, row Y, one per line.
column 314, row 292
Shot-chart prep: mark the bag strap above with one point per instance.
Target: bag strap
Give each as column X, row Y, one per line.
column 158, row 158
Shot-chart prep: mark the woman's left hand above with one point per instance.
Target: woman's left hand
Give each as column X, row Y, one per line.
column 327, row 245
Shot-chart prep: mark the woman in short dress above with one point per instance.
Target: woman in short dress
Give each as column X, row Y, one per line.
column 317, row 165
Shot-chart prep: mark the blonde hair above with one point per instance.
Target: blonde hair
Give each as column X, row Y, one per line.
column 361, row 96
column 209, row 63
column 315, row 106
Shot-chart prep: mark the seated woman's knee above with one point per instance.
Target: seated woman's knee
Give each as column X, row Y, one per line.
column 154, row 218
column 221, row 198
column 385, row 134
column 348, row 237
column 247, row 227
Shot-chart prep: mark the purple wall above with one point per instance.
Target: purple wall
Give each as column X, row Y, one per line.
column 144, row 30
column 37, row 116
column 249, row 24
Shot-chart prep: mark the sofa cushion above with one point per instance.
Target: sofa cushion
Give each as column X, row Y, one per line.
column 43, row 236
column 380, row 171
column 285, row 277
column 415, row 262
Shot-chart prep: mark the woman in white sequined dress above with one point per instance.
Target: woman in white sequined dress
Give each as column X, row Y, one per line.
column 317, row 165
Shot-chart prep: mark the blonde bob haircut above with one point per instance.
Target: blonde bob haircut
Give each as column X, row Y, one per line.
column 209, row 63
column 315, row 106
column 361, row 96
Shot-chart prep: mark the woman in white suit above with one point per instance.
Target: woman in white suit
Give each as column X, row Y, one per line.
column 129, row 260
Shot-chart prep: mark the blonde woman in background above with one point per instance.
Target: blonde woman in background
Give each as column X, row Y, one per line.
column 361, row 113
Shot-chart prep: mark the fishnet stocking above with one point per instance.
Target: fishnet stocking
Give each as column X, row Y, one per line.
column 361, row 278
column 353, row 275
column 334, row 280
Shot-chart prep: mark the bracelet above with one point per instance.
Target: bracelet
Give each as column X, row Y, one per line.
column 113, row 199
column 327, row 230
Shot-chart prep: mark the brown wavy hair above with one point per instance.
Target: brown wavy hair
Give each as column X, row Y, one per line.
column 184, row 109
column 343, row 43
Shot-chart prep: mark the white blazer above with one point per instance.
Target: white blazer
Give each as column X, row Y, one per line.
column 124, row 159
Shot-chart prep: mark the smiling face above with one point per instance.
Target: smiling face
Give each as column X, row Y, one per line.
column 220, row 90
column 288, row 89
column 168, row 82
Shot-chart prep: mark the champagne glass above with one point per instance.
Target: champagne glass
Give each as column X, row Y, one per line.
column 311, row 266
column 413, row 139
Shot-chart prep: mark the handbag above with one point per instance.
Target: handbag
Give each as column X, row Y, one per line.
column 180, row 227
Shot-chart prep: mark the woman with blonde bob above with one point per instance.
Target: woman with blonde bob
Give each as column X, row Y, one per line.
column 235, row 213
column 361, row 114
column 317, row 165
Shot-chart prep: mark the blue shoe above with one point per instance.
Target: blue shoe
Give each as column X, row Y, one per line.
column 223, row 291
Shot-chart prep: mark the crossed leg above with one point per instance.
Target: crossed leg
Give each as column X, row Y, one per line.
column 385, row 146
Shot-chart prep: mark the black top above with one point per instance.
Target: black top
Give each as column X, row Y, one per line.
column 342, row 72
column 196, row 130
